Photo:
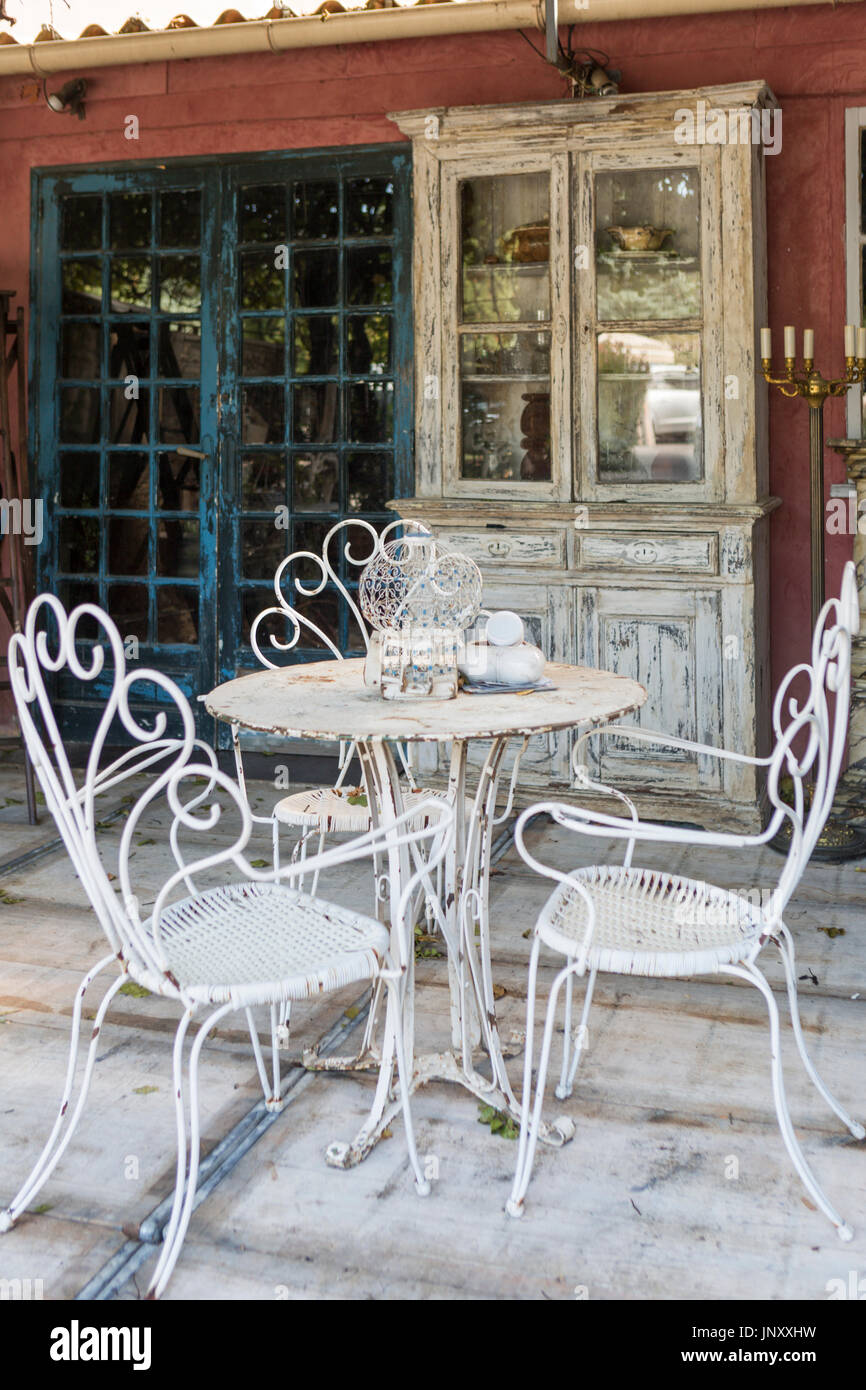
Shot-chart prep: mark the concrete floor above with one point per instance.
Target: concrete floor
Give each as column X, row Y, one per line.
column 675, row 1186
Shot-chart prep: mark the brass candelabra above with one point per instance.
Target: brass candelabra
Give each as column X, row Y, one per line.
column 814, row 388
column 839, row 840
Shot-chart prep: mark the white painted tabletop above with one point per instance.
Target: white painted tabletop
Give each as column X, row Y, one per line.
column 328, row 700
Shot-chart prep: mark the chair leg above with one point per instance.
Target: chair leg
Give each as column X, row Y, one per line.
column 180, row 1215
column 422, row 1186
column 181, row 1127
column 272, row 1097
column 530, row 1117
column 299, row 855
column 752, row 974
column 786, row 950
column 319, row 849
column 284, row 1023
column 342, row 1155
column 375, row 1000
column 581, row 1037
column 563, row 1076
column 56, row 1144
column 275, row 1102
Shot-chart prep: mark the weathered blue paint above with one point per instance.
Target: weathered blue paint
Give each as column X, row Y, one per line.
column 220, row 650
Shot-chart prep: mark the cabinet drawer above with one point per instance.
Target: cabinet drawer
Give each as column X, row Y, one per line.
column 542, row 548
column 652, row 551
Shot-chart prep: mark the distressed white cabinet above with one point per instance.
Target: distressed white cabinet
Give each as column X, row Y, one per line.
column 589, row 422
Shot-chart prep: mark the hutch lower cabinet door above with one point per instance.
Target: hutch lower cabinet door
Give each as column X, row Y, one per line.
column 588, row 282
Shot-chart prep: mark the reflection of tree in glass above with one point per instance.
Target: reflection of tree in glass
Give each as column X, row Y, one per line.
column 369, row 344
column 180, row 284
column 262, row 285
column 316, row 351
column 617, row 357
column 369, row 207
column 82, row 286
column 130, row 282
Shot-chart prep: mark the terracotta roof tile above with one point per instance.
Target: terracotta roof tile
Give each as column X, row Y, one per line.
column 134, row 25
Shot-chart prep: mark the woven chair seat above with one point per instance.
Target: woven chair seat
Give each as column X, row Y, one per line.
column 264, row 942
column 330, row 811
column 651, row 923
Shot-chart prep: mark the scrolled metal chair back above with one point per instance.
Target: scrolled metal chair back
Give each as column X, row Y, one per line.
column 810, row 746
column 50, row 644
column 290, row 586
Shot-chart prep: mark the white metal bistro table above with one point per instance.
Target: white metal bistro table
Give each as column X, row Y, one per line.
column 328, row 700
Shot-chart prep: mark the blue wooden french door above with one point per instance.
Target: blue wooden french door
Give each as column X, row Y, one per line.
column 220, row 370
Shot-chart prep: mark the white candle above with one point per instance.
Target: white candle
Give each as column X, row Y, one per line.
column 809, row 343
column 861, row 342
column 766, row 343
column 849, row 340
column 790, row 341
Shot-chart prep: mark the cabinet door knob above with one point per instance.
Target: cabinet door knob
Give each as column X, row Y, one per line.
column 498, row 547
column 643, row 552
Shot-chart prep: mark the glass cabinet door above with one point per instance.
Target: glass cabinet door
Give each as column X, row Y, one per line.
column 647, row 251
column 504, row 328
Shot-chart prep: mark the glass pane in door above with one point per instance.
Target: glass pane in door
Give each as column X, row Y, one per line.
column 649, row 407
column 127, row 520
column 505, row 281
column 648, row 244
column 317, row 318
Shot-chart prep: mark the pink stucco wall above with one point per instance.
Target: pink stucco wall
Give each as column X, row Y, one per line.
column 813, row 58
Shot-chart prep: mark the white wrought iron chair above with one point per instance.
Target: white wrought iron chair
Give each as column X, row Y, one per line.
column 632, row 921
column 242, row 943
column 321, row 811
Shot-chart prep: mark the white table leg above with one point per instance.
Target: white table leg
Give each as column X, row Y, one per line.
column 473, row 1011
column 458, row 876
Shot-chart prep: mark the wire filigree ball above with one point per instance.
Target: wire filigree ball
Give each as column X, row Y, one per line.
column 415, row 582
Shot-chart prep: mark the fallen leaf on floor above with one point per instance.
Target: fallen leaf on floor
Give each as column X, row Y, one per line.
column 42, row 1208
column 259, row 864
column 9, row 898
column 500, row 1121
column 137, row 991
column 499, row 991
column 427, row 947
column 832, row 931
column 807, row 1203
column 144, row 1090
column 353, row 1012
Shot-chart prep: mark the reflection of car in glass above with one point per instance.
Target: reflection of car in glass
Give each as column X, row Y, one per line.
column 673, row 402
